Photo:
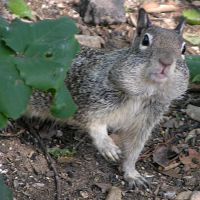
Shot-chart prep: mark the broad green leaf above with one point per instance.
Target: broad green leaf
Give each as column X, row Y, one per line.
column 63, row 105
column 192, row 38
column 4, row 26
column 22, row 36
column 196, row 79
column 18, row 36
column 3, row 122
column 19, row 8
column 192, row 16
column 14, row 94
column 41, row 74
column 193, row 62
column 5, row 51
column 61, row 51
column 5, row 192
column 35, row 55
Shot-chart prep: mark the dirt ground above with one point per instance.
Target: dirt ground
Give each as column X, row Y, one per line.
column 170, row 160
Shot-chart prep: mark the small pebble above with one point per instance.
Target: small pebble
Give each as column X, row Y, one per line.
column 195, row 195
column 184, row 195
column 84, row 194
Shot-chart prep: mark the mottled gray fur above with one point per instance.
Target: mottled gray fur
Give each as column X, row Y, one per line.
column 125, row 91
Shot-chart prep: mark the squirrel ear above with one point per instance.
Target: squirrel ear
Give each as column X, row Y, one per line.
column 180, row 26
column 143, row 20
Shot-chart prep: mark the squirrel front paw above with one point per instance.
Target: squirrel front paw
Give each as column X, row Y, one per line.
column 108, row 149
column 135, row 179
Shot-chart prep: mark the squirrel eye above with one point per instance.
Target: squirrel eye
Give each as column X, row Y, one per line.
column 183, row 49
column 145, row 41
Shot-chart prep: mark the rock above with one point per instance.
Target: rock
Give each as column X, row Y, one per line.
column 196, row 3
column 102, row 11
column 115, row 193
column 84, row 194
column 16, row 183
column 90, row 41
column 195, row 195
column 193, row 112
column 103, row 186
column 184, row 195
column 169, row 194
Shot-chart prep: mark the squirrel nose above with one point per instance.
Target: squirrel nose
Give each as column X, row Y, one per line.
column 165, row 62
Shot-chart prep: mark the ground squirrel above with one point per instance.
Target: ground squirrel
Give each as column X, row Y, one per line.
column 126, row 91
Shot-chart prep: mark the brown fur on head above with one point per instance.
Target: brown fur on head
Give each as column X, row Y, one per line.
column 154, row 62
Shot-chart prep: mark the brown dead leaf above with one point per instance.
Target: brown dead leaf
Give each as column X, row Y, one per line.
column 153, row 7
column 65, row 159
column 192, row 160
column 164, row 154
column 192, row 134
column 173, row 173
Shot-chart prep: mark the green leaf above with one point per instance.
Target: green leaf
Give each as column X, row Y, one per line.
column 192, row 38
column 3, row 122
column 46, row 33
column 63, row 105
column 192, row 16
column 57, row 152
column 41, row 74
column 193, row 62
column 14, row 94
column 196, row 79
column 5, row 192
column 4, row 26
column 45, row 50
column 19, row 8
column 35, row 55
column 5, row 51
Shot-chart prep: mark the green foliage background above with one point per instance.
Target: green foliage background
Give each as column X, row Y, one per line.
column 35, row 56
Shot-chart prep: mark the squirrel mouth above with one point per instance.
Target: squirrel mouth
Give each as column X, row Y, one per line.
column 158, row 77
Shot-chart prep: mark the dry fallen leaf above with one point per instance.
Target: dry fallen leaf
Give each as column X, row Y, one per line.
column 153, row 7
column 164, row 154
column 192, row 160
column 192, row 134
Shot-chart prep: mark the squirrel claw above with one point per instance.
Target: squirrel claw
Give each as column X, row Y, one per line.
column 140, row 182
column 137, row 181
column 108, row 149
column 113, row 153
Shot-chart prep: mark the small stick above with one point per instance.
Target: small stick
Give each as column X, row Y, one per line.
column 9, row 135
column 50, row 162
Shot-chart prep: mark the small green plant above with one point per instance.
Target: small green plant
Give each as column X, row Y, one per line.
column 192, row 16
column 5, row 192
column 35, row 56
column 57, row 152
column 193, row 62
column 19, row 8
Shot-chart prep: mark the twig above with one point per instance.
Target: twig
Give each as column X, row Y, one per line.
column 50, row 162
column 9, row 135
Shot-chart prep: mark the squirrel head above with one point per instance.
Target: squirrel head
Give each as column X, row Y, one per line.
column 154, row 63
column 161, row 48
